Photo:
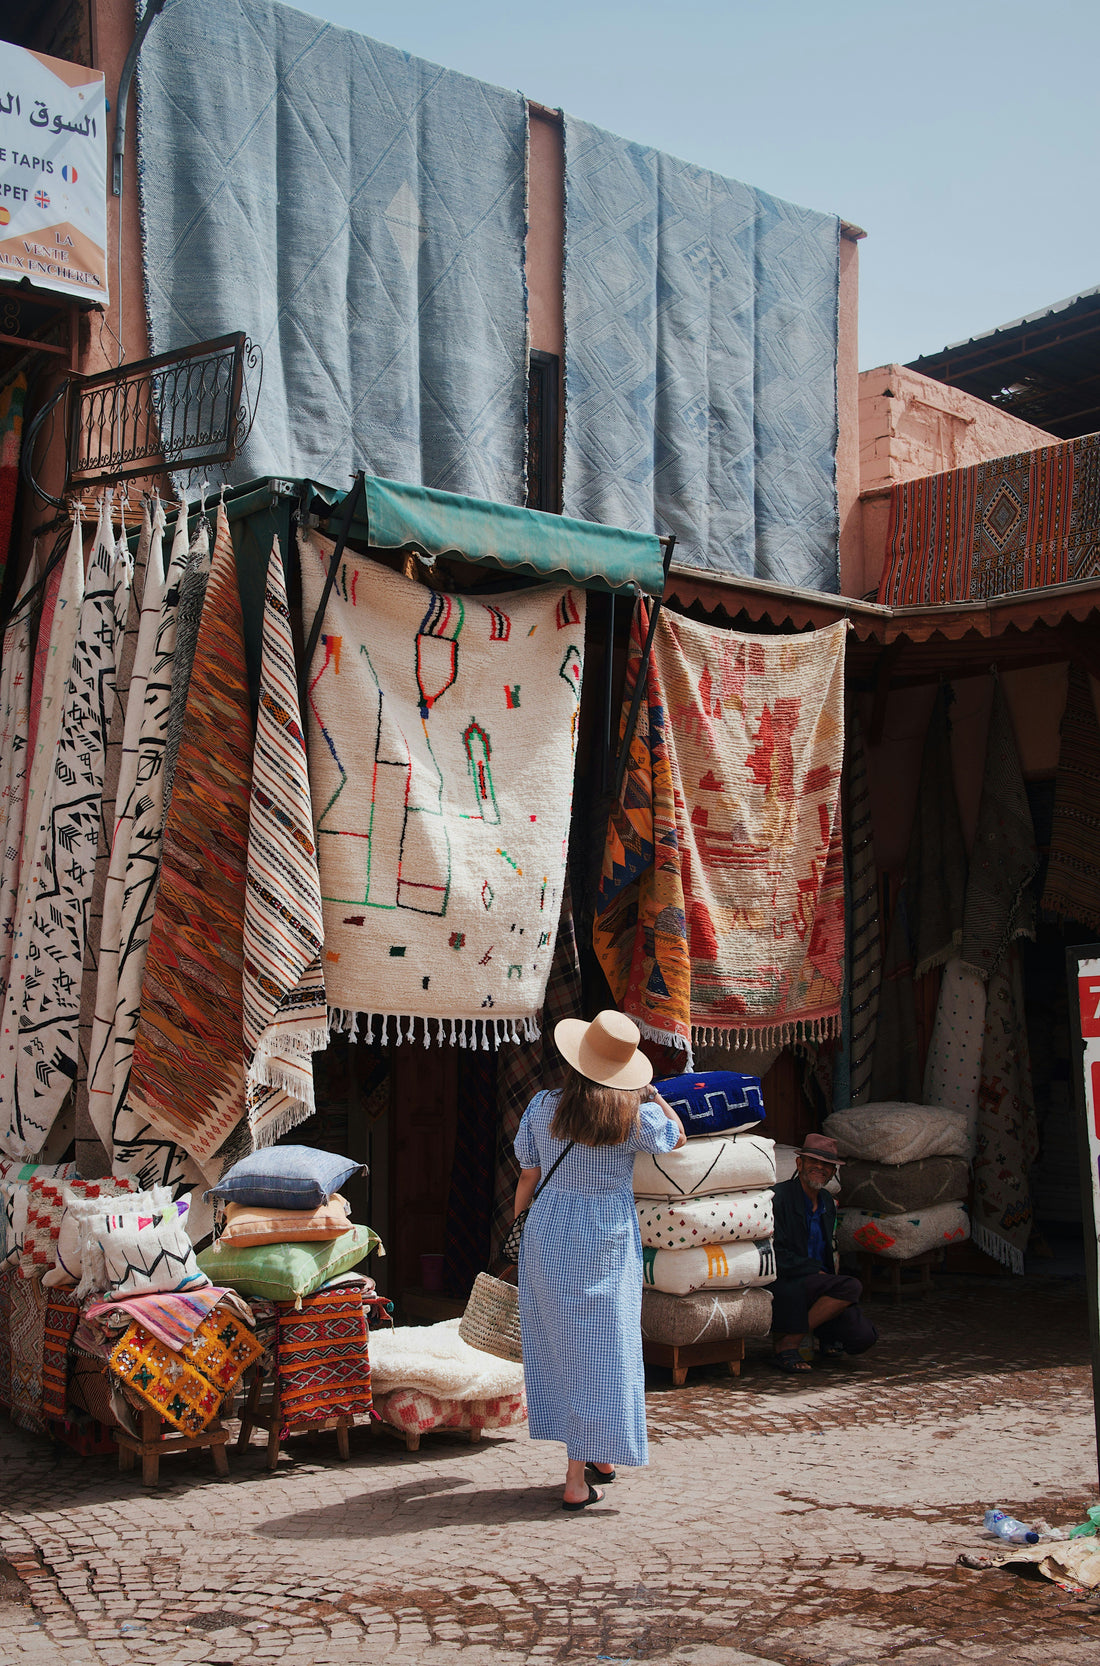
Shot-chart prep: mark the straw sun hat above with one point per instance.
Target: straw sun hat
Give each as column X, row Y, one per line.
column 606, row 1050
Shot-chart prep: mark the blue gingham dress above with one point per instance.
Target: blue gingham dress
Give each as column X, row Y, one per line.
column 580, row 1290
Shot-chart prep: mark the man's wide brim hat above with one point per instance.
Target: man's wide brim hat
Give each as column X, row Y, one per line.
column 606, row 1050
column 821, row 1148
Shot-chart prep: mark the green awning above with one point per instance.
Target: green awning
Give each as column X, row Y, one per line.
column 443, row 523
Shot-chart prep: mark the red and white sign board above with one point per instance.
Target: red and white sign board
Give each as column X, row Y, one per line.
column 1083, row 967
column 53, row 173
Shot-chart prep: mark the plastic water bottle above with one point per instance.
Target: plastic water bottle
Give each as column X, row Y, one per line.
column 1013, row 1532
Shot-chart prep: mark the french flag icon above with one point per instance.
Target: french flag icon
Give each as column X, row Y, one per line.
column 68, row 174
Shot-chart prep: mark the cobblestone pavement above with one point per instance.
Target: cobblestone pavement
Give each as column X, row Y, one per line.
column 803, row 1521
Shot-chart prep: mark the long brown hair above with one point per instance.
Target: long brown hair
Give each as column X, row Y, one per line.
column 592, row 1114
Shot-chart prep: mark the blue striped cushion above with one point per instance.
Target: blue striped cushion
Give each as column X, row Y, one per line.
column 285, row 1177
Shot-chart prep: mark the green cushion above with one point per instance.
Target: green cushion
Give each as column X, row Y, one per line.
column 285, row 1272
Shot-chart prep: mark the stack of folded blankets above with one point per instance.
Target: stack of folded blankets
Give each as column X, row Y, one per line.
column 426, row 1377
column 286, row 1232
column 905, row 1179
column 705, row 1214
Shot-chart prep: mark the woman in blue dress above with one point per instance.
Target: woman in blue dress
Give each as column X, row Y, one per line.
column 580, row 1261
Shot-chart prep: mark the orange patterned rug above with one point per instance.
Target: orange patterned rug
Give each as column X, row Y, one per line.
column 188, row 1075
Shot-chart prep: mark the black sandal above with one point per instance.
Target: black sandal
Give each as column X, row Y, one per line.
column 593, row 1498
column 606, row 1475
column 790, row 1361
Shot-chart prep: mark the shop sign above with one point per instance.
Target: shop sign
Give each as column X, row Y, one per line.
column 1083, row 970
column 53, row 174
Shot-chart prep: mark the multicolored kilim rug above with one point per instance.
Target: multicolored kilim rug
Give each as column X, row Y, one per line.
column 188, row 1072
column 754, row 737
column 1072, row 888
column 1015, row 523
column 285, row 1011
column 6, row 1276
column 441, row 760
column 62, row 1314
column 27, row 1320
column 322, row 1357
column 11, row 441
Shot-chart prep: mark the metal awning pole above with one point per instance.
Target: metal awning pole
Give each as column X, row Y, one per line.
column 639, row 686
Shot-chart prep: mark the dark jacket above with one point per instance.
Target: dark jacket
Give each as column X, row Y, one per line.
column 792, row 1235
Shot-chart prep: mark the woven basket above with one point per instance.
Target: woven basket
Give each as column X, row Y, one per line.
column 491, row 1319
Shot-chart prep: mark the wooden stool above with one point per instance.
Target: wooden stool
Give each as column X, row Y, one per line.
column 153, row 1442
column 873, row 1267
column 727, row 1350
column 258, row 1413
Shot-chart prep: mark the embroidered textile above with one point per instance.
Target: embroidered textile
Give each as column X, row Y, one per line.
column 391, row 296
column 11, row 439
column 69, row 1247
column 701, row 332
column 864, row 940
column 755, row 738
column 28, row 1329
column 65, row 861
column 1013, row 523
column 101, row 979
column 1000, row 905
column 15, row 683
column 285, row 1015
column 1072, row 888
column 138, row 1147
column 442, row 834
column 52, row 665
column 62, row 1313
column 935, row 863
column 187, row 1386
column 187, row 1077
column 322, row 1358
column 1008, row 1142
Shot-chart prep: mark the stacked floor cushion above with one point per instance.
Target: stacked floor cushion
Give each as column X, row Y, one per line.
column 905, row 1181
column 706, row 1219
column 899, row 1237
column 427, row 1377
column 678, row 1321
column 714, row 1101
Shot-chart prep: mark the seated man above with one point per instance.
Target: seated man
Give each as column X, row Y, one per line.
column 809, row 1294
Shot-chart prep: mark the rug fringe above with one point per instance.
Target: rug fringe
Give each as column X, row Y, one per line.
column 271, row 1129
column 1009, row 1255
column 825, row 1028
column 484, row 1034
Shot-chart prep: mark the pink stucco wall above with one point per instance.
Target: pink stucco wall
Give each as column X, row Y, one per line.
column 910, row 425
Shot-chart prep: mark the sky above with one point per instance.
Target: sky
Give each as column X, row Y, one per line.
column 962, row 137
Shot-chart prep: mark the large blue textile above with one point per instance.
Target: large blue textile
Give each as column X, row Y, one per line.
column 361, row 214
column 701, row 332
